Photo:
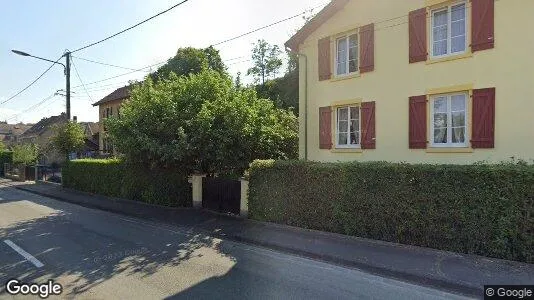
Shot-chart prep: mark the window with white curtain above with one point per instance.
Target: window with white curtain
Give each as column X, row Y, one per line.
column 449, row 30
column 347, row 54
column 348, row 127
column 449, row 120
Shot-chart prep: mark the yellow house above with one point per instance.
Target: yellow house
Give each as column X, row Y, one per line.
column 109, row 106
column 431, row 81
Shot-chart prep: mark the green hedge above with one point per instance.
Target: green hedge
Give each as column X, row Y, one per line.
column 112, row 177
column 5, row 157
column 477, row 209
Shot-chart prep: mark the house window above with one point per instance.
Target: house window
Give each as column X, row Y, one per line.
column 449, row 30
column 448, row 120
column 347, row 54
column 348, row 127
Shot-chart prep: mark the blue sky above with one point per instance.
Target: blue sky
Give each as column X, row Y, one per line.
column 47, row 28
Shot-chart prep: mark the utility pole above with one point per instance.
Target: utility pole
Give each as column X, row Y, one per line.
column 67, row 75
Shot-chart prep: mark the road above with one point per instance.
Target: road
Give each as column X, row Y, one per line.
column 100, row 255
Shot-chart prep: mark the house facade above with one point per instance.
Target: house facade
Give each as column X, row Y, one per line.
column 431, row 81
column 109, row 106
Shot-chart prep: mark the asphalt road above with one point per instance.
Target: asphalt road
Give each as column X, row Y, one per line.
column 100, row 255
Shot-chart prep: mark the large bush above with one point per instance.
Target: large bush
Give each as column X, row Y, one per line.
column 26, row 154
column 114, row 178
column 201, row 122
column 478, row 209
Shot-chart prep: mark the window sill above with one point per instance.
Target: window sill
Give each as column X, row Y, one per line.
column 345, row 77
column 347, row 150
column 449, row 150
column 449, row 58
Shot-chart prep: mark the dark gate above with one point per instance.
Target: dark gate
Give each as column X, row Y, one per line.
column 222, row 195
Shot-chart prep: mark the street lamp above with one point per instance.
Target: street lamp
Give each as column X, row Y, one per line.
column 66, row 71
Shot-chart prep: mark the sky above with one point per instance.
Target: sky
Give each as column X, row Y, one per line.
column 48, row 28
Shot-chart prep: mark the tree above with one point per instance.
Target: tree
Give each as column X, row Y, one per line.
column 191, row 61
column 25, row 154
column 238, row 81
column 201, row 123
column 69, row 137
column 266, row 60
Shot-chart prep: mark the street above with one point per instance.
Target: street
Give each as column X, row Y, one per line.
column 100, row 255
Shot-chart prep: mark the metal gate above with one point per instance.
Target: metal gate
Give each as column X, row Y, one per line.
column 222, row 195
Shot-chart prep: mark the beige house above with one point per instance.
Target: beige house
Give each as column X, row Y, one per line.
column 437, row 81
column 109, row 106
column 41, row 134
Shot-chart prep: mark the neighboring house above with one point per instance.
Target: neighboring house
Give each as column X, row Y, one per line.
column 91, row 131
column 10, row 132
column 110, row 106
column 417, row 81
column 41, row 134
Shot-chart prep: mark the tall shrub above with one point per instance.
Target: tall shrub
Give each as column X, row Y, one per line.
column 479, row 209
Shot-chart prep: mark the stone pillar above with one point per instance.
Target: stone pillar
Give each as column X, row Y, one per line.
column 196, row 181
column 244, row 198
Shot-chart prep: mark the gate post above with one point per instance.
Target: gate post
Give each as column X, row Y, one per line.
column 244, row 198
column 196, row 181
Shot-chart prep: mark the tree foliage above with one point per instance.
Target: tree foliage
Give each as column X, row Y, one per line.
column 266, row 61
column 191, row 61
column 25, row 154
column 201, row 123
column 69, row 137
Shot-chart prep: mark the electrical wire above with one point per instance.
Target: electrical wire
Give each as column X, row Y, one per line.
column 31, row 108
column 264, row 27
column 102, row 63
column 80, row 79
column 131, row 27
column 32, row 83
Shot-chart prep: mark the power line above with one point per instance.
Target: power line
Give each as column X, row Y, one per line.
column 32, row 83
column 266, row 26
column 102, row 63
column 124, row 74
column 131, row 27
column 30, row 108
column 81, row 81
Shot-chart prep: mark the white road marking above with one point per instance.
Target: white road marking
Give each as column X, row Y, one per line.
column 25, row 254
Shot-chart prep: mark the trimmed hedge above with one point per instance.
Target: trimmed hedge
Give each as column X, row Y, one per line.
column 112, row 177
column 477, row 209
column 5, row 157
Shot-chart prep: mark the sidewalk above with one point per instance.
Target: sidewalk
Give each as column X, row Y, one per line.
column 460, row 273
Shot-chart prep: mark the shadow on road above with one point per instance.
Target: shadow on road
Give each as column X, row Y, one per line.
column 89, row 258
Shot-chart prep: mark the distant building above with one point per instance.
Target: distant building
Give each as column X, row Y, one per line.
column 41, row 134
column 110, row 106
column 10, row 132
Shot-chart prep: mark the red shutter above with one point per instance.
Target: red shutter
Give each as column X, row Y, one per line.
column 325, row 128
column 418, row 122
column 367, row 49
column 483, row 118
column 417, row 32
column 324, row 59
column 483, row 16
column 368, row 125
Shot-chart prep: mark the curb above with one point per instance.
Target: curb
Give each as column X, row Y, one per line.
column 369, row 268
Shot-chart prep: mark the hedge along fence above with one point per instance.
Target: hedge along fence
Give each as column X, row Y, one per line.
column 5, row 157
column 477, row 209
column 112, row 177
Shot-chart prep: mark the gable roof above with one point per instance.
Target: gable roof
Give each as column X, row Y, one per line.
column 324, row 15
column 118, row 94
column 43, row 125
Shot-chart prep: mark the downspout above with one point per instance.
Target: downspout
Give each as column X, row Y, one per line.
column 305, row 100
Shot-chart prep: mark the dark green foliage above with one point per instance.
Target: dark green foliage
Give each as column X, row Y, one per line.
column 283, row 91
column 5, row 157
column 477, row 209
column 114, row 178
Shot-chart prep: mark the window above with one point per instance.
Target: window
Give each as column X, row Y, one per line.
column 448, row 120
column 348, row 127
column 347, row 55
column 449, row 30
